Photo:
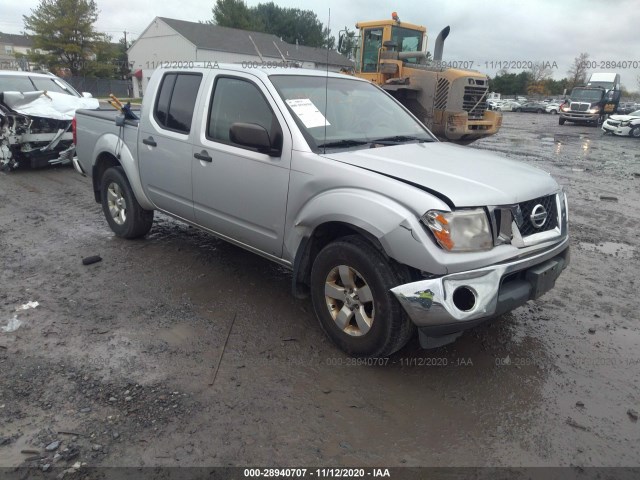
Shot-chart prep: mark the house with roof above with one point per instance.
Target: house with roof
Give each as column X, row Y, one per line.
column 10, row 45
column 167, row 40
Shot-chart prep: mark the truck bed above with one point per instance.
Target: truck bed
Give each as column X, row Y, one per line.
column 109, row 114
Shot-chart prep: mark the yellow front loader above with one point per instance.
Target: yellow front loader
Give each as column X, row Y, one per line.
column 450, row 101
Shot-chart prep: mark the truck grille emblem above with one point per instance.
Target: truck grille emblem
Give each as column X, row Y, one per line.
column 538, row 216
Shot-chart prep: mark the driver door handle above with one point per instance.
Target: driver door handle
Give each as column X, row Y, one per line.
column 149, row 141
column 204, row 156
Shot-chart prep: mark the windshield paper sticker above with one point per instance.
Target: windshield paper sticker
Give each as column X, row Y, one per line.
column 307, row 112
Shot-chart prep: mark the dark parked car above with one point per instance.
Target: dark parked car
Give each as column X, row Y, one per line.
column 537, row 107
column 626, row 108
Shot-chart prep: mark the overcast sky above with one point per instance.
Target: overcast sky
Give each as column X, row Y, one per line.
column 481, row 31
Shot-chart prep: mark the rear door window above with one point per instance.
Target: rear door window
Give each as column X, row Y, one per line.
column 177, row 100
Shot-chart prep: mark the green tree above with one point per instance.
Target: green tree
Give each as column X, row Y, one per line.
column 233, row 14
column 510, row 83
column 109, row 60
column 64, row 31
column 293, row 25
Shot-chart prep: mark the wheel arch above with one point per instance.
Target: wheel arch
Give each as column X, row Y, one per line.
column 320, row 237
column 109, row 152
column 104, row 161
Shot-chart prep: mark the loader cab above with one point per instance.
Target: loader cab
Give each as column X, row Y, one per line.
column 384, row 42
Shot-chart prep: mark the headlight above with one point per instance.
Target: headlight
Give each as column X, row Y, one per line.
column 595, row 110
column 625, row 123
column 565, row 107
column 460, row 231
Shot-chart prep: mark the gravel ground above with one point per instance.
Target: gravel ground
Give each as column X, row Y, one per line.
column 123, row 362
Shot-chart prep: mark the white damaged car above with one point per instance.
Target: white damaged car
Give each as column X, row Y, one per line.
column 624, row 125
column 36, row 111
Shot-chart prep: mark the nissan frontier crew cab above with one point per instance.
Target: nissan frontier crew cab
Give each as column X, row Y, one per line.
column 385, row 228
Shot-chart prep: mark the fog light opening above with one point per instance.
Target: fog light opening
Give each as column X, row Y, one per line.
column 464, row 298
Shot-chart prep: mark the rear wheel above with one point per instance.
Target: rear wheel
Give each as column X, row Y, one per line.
column 518, row 109
column 124, row 214
column 539, row 110
column 350, row 291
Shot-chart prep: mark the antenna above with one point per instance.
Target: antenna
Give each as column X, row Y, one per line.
column 326, row 86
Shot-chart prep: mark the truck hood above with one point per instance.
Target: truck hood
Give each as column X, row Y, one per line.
column 465, row 176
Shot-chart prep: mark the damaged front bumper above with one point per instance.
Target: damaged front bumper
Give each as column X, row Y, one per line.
column 35, row 128
column 442, row 308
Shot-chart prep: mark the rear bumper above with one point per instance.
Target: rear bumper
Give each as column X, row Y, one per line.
column 483, row 293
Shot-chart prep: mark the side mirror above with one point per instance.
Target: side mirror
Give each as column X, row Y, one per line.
column 120, row 121
column 254, row 136
column 87, row 95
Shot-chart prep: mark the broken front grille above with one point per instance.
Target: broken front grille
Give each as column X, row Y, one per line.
column 528, row 227
column 474, row 102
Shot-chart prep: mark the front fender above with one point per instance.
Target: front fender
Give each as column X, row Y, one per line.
column 393, row 225
column 113, row 145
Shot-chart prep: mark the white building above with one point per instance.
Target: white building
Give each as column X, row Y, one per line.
column 10, row 44
column 168, row 41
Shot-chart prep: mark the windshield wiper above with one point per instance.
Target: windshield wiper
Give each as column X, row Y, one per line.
column 343, row 144
column 399, row 139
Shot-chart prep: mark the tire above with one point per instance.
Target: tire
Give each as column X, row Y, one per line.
column 352, row 260
column 561, row 121
column 539, row 110
column 635, row 131
column 518, row 110
column 553, row 112
column 124, row 214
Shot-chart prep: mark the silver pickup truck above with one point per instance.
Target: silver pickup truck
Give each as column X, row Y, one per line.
column 385, row 228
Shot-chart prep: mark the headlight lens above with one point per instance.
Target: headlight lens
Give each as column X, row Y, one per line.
column 460, row 231
column 625, row 123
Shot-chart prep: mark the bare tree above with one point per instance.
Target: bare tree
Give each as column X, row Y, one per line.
column 578, row 71
column 540, row 72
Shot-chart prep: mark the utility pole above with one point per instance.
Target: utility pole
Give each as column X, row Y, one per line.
column 126, row 45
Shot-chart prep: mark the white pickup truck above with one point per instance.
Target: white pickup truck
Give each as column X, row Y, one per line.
column 387, row 229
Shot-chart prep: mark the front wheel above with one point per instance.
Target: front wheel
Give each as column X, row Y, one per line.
column 553, row 112
column 350, row 291
column 539, row 110
column 518, row 109
column 561, row 121
column 124, row 214
column 635, row 132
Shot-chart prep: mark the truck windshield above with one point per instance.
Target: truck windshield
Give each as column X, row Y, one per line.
column 586, row 95
column 358, row 114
